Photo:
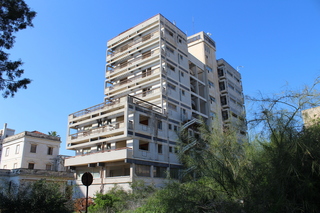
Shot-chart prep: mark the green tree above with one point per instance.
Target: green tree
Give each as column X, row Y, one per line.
column 288, row 161
column 53, row 133
column 188, row 197
column 216, row 155
column 15, row 15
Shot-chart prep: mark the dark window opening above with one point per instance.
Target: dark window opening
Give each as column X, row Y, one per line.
column 222, row 86
column 142, row 170
column 144, row 120
column 160, row 172
column 50, row 150
column 223, row 100
column 143, row 145
column 31, row 166
column 33, row 148
column 159, row 148
column 225, row 115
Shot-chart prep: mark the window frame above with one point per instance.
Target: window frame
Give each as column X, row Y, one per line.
column 31, row 165
column 7, row 151
column 160, row 149
column 17, row 148
column 47, row 167
column 142, row 170
column 50, row 150
column 33, row 148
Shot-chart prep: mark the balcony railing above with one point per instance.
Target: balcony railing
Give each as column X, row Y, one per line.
column 134, row 60
column 92, row 132
column 144, row 104
column 131, row 80
column 147, row 93
column 95, row 108
column 134, row 43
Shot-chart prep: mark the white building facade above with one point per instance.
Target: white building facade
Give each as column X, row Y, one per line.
column 30, row 150
column 157, row 81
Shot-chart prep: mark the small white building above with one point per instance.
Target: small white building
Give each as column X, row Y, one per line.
column 30, row 156
column 30, row 150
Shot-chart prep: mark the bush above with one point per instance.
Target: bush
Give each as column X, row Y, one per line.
column 40, row 196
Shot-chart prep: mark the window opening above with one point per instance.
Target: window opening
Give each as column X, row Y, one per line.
column 159, row 148
column 31, row 166
column 50, row 150
column 33, row 148
column 144, row 145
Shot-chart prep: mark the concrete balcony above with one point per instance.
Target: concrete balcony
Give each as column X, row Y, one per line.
column 95, row 112
column 139, row 60
column 131, row 46
column 149, row 95
column 113, row 129
column 131, row 82
column 102, row 156
column 94, row 109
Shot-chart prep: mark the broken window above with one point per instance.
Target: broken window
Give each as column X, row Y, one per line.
column 225, row 115
column 142, row 170
column 50, row 150
column 212, row 99
column 144, row 145
column 160, row 148
column 108, row 145
column 160, row 172
column 146, row 91
column 171, row 67
column 159, row 124
column 222, row 86
column 223, row 100
column 144, row 120
column 220, row 72
column 31, row 166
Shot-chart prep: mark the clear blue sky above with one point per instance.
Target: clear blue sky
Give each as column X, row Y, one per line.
column 277, row 42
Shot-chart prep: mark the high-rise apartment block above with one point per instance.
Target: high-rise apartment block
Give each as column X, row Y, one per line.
column 157, row 81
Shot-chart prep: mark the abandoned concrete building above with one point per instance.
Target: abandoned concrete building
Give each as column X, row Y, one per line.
column 157, row 81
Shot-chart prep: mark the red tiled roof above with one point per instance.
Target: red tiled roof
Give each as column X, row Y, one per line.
column 37, row 132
